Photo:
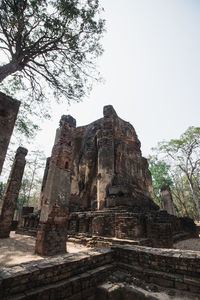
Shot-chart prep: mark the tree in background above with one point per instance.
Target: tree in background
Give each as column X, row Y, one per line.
column 160, row 175
column 48, row 43
column 2, row 188
column 29, row 194
column 183, row 155
column 32, row 179
column 182, row 196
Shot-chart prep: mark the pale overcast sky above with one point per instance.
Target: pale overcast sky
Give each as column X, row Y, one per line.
column 151, row 67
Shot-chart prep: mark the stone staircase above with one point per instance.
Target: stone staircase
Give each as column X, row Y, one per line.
column 61, row 277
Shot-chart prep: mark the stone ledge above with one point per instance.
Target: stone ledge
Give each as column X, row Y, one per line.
column 165, row 267
column 35, row 275
column 67, row 287
column 76, row 276
column 160, row 252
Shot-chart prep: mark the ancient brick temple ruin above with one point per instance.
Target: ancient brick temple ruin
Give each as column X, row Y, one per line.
column 97, row 183
column 97, row 190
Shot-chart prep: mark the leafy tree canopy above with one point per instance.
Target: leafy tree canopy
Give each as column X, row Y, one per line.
column 160, row 175
column 184, row 154
column 49, row 43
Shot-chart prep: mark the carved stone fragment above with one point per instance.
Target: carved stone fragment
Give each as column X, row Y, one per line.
column 167, row 200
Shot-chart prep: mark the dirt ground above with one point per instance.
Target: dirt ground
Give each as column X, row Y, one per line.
column 190, row 244
column 20, row 248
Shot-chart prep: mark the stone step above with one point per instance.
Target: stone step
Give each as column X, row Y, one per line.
column 129, row 291
column 81, row 286
column 165, row 279
column 48, row 273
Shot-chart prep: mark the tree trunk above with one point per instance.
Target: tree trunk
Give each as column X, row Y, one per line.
column 182, row 203
column 8, row 69
column 195, row 197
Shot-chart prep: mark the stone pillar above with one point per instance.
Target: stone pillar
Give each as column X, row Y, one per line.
column 167, row 200
column 106, row 159
column 11, row 192
column 8, row 114
column 52, row 231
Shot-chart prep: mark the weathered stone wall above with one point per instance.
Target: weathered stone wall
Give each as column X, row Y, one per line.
column 169, row 268
column 70, row 276
column 8, row 114
column 159, row 227
column 122, row 225
column 108, row 169
column 77, row 276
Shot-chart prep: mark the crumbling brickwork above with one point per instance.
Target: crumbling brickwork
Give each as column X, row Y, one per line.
column 8, row 114
column 52, row 230
column 11, row 192
column 78, row 275
column 108, row 169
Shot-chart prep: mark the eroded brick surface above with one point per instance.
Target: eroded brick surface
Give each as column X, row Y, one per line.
column 55, row 196
column 78, row 276
column 166, row 267
column 11, row 192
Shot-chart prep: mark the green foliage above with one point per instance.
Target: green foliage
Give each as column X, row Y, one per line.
column 49, row 44
column 31, row 184
column 160, row 175
column 183, row 155
column 182, row 196
column 2, row 188
column 184, row 151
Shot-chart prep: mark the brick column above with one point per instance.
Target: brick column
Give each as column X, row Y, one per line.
column 11, row 192
column 52, row 231
column 8, row 114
